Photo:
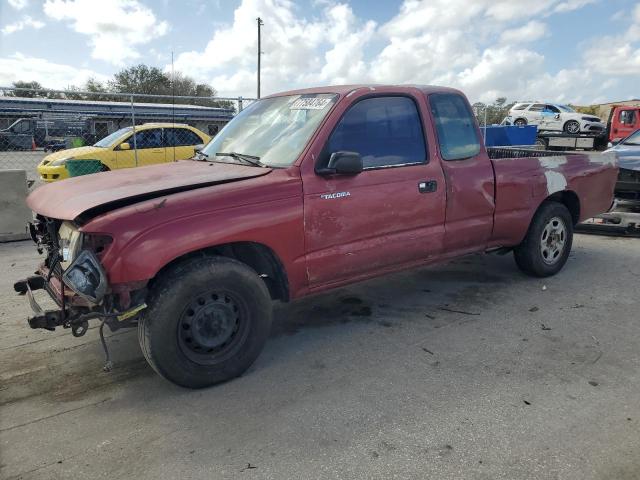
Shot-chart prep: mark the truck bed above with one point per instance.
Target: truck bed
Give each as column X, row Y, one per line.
column 524, row 178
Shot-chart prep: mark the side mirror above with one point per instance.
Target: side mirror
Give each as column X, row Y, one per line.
column 557, row 116
column 124, row 146
column 343, row 163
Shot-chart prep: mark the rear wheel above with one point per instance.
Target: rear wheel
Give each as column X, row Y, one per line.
column 520, row 122
column 547, row 245
column 572, row 126
column 541, row 144
column 207, row 321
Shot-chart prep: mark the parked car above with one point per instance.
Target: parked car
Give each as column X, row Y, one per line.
column 627, row 153
column 153, row 143
column 554, row 117
column 302, row 192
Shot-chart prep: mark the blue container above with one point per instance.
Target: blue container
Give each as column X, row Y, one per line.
column 510, row 135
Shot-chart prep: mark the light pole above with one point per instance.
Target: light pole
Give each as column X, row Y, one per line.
column 260, row 23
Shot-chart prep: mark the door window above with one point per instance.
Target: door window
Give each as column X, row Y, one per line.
column 147, row 139
column 179, row 137
column 536, row 107
column 628, row 117
column 385, row 131
column 455, row 125
column 551, row 109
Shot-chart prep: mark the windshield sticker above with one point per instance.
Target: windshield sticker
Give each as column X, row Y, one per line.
column 309, row 104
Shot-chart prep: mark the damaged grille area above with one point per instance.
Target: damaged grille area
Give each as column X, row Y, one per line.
column 628, row 185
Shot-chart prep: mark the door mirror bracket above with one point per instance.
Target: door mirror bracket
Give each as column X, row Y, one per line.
column 342, row 163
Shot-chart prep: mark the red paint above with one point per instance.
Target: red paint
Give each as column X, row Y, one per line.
column 384, row 224
column 623, row 121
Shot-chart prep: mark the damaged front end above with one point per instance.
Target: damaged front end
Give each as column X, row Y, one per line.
column 73, row 276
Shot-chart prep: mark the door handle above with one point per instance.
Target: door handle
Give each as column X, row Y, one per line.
column 428, row 186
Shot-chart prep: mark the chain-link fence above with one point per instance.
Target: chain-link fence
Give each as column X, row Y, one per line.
column 56, row 134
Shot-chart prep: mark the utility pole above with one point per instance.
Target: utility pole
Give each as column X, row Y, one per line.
column 260, row 23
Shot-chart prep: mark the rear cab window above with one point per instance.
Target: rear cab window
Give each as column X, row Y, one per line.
column 628, row 117
column 455, row 126
column 385, row 131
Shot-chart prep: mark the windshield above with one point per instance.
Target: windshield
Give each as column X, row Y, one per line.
column 109, row 139
column 275, row 130
column 564, row 108
column 633, row 139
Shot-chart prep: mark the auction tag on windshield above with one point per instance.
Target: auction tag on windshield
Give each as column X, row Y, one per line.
column 313, row 103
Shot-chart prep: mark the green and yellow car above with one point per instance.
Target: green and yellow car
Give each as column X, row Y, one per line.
column 153, row 143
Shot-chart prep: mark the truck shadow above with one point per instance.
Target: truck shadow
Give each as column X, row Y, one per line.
column 463, row 287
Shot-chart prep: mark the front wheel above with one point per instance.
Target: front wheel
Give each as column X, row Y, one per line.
column 572, row 126
column 207, row 321
column 547, row 245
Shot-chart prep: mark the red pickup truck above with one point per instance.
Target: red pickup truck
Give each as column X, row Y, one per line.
column 302, row 192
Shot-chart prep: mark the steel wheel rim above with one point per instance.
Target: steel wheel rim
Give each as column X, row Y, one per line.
column 573, row 127
column 212, row 327
column 553, row 240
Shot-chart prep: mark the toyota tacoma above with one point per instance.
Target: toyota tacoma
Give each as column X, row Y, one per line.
column 302, row 192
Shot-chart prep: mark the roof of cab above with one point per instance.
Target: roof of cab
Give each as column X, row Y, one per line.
column 346, row 89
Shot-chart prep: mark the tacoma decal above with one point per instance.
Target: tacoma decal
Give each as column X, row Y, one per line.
column 329, row 196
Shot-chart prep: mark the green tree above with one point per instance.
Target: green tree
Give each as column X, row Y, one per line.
column 494, row 113
column 141, row 79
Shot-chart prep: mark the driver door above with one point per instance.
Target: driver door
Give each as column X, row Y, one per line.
column 390, row 214
column 552, row 118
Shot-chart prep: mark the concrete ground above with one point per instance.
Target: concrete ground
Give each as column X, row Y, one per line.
column 465, row 371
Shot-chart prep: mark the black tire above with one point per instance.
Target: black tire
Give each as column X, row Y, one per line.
column 530, row 255
column 192, row 308
column 520, row 122
column 541, row 144
column 572, row 126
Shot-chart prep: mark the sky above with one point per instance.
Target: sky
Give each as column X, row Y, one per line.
column 570, row 51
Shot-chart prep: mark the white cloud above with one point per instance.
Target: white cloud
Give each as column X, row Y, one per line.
column 114, row 27
column 297, row 51
column 19, row 4
column 617, row 54
column 485, row 47
column 25, row 22
column 529, row 32
column 53, row 75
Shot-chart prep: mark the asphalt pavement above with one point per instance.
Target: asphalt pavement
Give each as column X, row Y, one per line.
column 469, row 370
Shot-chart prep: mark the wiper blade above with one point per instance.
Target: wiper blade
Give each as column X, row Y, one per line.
column 250, row 159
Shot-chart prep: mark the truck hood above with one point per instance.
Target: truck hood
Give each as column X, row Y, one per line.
column 94, row 194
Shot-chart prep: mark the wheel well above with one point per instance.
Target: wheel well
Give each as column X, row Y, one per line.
column 570, row 200
column 256, row 255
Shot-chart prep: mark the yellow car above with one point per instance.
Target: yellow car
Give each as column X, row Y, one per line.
column 153, row 143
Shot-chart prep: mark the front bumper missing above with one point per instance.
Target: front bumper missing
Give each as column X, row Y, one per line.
column 77, row 319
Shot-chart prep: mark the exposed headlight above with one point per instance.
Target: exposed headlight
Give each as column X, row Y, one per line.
column 86, row 277
column 60, row 162
column 70, row 241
